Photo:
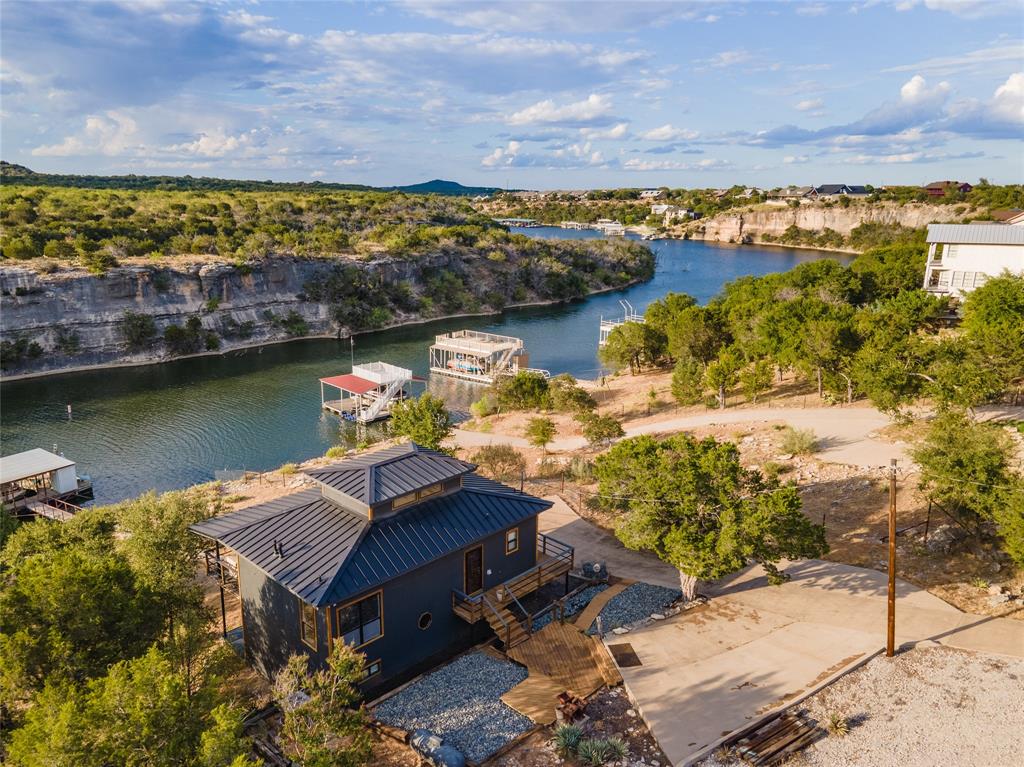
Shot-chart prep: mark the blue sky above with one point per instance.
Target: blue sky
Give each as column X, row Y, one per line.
column 523, row 94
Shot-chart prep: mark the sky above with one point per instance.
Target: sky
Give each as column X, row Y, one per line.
column 538, row 95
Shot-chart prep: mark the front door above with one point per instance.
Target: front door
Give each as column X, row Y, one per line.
column 474, row 570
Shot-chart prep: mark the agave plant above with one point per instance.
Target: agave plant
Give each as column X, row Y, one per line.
column 838, row 725
column 618, row 747
column 567, row 739
column 593, row 752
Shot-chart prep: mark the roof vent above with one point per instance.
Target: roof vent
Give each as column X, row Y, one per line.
column 278, row 549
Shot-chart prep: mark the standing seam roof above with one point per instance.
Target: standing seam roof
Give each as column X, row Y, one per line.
column 976, row 234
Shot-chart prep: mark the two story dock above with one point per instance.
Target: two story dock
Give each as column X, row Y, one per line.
column 473, row 355
column 368, row 392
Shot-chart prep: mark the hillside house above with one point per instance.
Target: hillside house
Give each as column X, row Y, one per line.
column 404, row 553
column 792, row 193
column 939, row 188
column 835, row 191
column 962, row 257
column 652, row 194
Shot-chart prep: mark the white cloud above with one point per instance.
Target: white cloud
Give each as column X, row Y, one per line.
column 668, row 132
column 502, row 156
column 812, row 9
column 595, row 108
column 980, row 61
column 216, row 143
column 639, row 164
column 916, row 91
column 808, row 105
column 968, row 9
column 617, row 131
column 726, row 59
column 112, row 133
column 796, row 159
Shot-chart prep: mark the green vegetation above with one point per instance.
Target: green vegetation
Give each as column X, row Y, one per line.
column 424, row 420
column 501, row 462
column 190, row 339
column 693, row 504
column 540, row 432
column 798, row 441
column 138, row 330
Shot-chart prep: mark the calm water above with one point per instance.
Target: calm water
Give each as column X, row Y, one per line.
column 171, row 425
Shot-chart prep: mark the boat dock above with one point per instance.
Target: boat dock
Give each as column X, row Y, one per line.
column 38, row 482
column 368, row 392
column 629, row 314
column 473, row 355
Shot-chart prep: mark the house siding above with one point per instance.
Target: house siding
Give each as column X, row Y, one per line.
column 270, row 620
column 404, row 649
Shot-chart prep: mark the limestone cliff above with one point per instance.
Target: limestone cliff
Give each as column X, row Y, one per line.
column 754, row 224
column 70, row 318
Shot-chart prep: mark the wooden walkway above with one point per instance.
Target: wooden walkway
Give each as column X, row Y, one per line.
column 559, row 658
column 591, row 611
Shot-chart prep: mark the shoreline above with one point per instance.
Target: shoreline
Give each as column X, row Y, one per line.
column 320, row 336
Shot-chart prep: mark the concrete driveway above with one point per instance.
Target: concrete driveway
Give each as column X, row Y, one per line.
column 757, row 648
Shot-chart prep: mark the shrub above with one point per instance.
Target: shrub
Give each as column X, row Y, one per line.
column 15, row 352
column 581, row 469
column 593, row 752
column 568, row 397
column 335, row 452
column 567, row 739
column 138, row 330
column 540, row 432
column 502, row 462
column 688, row 381
column 600, row 429
column 838, row 725
column 618, row 747
column 288, row 469
column 484, row 406
column 523, row 391
column 798, row 441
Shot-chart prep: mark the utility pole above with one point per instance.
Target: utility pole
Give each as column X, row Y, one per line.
column 890, row 646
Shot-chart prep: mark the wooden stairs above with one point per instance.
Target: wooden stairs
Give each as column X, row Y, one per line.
column 508, row 628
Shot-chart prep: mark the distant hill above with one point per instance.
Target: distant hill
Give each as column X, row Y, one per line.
column 22, row 175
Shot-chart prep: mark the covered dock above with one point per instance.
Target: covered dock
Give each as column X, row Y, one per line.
column 473, row 355
column 40, row 482
column 368, row 392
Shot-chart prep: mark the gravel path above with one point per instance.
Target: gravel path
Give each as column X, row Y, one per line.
column 461, row 702
column 926, row 707
column 633, row 604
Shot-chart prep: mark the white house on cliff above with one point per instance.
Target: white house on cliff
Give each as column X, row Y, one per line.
column 961, row 257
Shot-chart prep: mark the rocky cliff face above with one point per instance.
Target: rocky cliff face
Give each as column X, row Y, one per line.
column 71, row 318
column 752, row 225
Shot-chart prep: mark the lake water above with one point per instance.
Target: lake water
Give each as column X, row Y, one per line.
column 171, row 425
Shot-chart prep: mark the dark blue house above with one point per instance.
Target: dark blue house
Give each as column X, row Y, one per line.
column 404, row 553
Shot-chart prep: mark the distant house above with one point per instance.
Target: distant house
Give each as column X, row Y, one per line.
column 962, row 257
column 792, row 193
column 834, row 191
column 672, row 213
column 652, row 194
column 1006, row 215
column 749, row 192
column 939, row 188
column 404, row 553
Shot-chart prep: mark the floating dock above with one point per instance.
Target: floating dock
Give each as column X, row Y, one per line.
column 473, row 355
column 368, row 392
column 42, row 483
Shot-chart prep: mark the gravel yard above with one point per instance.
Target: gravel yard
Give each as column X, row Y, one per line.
column 634, row 604
column 461, row 702
column 573, row 605
column 928, row 706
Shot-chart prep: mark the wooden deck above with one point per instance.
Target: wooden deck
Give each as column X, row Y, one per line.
column 592, row 610
column 559, row 657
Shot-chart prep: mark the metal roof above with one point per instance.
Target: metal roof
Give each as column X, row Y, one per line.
column 29, row 464
column 382, row 475
column 330, row 554
column 349, row 382
column 976, row 234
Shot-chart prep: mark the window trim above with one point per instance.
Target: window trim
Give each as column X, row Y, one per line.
column 303, row 637
column 508, row 551
column 379, row 593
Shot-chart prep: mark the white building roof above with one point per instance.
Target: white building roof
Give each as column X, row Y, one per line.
column 976, row 234
column 29, row 464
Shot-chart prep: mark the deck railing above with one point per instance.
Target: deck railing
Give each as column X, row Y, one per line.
column 224, row 570
column 554, row 559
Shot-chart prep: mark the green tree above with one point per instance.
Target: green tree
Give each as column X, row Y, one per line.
column 600, row 429
column 756, row 379
column 633, row 345
column 540, row 432
column 425, row 420
column 327, row 730
column 526, row 390
column 721, row 375
column 965, row 470
column 569, row 397
column 696, row 332
column 891, row 269
column 138, row 330
column 693, row 504
column 688, row 381
column 502, row 462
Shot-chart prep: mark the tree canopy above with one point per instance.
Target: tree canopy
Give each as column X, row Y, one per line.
column 425, row 420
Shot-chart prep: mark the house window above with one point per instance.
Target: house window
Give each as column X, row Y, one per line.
column 371, row 669
column 419, row 495
column 425, row 620
column 361, row 622
column 307, row 624
column 403, row 500
column 512, row 540
column 429, row 490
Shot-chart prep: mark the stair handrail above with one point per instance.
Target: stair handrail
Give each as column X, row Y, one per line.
column 382, row 401
column 529, row 620
column 508, row 629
